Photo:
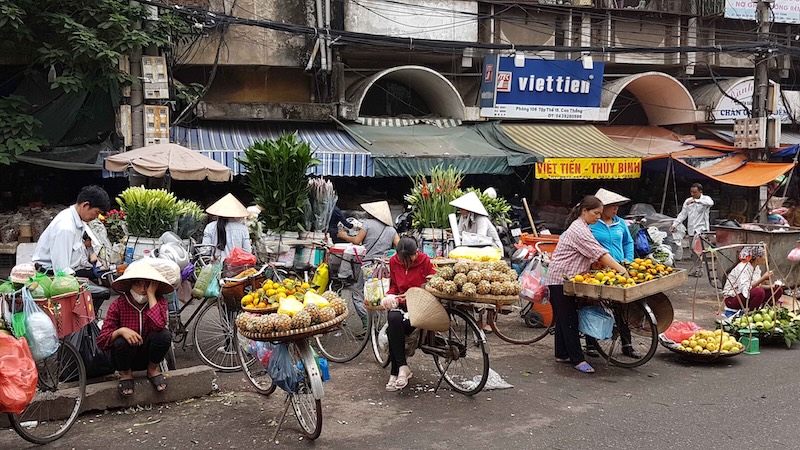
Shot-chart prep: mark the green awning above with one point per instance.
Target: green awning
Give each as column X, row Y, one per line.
column 409, row 150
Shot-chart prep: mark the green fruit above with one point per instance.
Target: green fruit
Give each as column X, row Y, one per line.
column 760, row 325
column 758, row 317
column 772, row 315
column 768, row 324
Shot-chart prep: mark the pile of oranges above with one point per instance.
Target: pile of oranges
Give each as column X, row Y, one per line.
column 639, row 271
column 271, row 293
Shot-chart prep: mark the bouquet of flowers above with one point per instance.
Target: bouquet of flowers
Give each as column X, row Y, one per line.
column 431, row 198
column 114, row 222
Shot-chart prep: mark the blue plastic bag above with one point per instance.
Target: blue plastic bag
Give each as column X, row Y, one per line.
column 283, row 373
column 594, row 321
column 641, row 244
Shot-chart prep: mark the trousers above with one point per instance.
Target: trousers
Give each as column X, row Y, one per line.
column 136, row 357
column 758, row 296
column 396, row 331
column 565, row 313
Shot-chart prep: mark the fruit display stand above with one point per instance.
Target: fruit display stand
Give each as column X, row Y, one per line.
column 629, row 294
column 497, row 300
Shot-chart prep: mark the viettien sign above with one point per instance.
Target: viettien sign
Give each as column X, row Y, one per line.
column 782, row 11
column 542, row 89
column 588, row 168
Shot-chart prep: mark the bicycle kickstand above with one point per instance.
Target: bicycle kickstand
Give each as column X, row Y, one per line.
column 283, row 418
column 441, row 377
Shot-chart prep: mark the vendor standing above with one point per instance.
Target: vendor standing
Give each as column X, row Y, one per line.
column 229, row 230
column 475, row 219
column 576, row 251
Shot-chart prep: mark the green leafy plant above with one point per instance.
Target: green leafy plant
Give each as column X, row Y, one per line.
column 148, row 212
column 191, row 219
column 497, row 208
column 277, row 178
column 114, row 222
column 431, row 198
column 18, row 129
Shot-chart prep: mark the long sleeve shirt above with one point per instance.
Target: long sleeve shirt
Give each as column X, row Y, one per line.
column 696, row 212
column 236, row 235
column 402, row 279
column 577, row 249
column 124, row 312
column 616, row 238
column 481, row 225
column 60, row 247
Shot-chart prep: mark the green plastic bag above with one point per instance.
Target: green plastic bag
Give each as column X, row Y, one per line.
column 64, row 284
column 7, row 288
column 39, row 291
column 44, row 281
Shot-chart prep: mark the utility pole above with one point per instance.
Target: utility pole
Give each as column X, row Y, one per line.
column 761, row 78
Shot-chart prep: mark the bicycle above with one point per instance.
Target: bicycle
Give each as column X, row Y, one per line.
column 361, row 326
column 60, row 390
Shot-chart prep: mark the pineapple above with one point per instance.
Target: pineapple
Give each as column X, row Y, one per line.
column 327, row 314
column 497, row 288
column 446, row 273
column 460, row 279
column 484, row 287
column 486, row 274
column 329, row 295
column 515, row 288
column 508, row 288
column 339, row 308
column 474, row 277
column 475, row 265
column 301, row 319
column 461, row 267
column 436, row 283
column 281, row 322
column 497, row 277
column 469, row 289
column 313, row 310
column 450, row 287
column 498, row 266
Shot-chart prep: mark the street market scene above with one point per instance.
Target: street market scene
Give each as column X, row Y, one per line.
column 399, row 223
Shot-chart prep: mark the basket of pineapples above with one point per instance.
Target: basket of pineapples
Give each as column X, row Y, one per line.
column 316, row 314
column 480, row 282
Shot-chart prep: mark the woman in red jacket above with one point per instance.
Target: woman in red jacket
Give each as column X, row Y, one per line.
column 408, row 268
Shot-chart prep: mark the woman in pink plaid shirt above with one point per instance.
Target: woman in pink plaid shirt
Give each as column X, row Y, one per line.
column 576, row 251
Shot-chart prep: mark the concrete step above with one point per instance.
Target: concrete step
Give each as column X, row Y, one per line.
column 195, row 381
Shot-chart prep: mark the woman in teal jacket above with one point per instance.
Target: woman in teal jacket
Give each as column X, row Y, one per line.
column 611, row 232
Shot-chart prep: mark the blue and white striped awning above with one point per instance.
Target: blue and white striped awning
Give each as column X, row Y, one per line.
column 223, row 142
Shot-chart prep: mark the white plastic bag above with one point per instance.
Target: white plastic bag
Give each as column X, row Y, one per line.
column 167, row 268
column 39, row 330
column 656, row 235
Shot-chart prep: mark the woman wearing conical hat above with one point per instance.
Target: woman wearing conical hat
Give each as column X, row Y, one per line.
column 229, row 230
column 475, row 219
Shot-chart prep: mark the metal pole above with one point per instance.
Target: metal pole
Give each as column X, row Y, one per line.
column 761, row 78
column 666, row 185
column 137, row 93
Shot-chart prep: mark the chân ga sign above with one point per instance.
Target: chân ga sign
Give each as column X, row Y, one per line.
column 588, row 168
column 542, row 89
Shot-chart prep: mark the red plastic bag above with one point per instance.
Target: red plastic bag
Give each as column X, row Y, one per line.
column 239, row 257
column 679, row 331
column 532, row 279
column 18, row 375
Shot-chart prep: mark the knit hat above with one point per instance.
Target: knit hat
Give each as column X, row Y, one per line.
column 471, row 203
column 228, row 206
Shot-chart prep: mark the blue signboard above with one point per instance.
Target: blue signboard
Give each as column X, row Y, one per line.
column 542, row 89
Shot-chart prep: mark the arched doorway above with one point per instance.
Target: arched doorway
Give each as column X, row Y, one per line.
column 662, row 98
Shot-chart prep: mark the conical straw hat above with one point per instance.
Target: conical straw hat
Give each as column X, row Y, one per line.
column 228, row 206
column 471, row 203
column 379, row 210
column 425, row 311
column 610, row 198
column 140, row 270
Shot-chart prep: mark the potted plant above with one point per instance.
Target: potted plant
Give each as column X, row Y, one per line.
column 277, row 177
column 149, row 213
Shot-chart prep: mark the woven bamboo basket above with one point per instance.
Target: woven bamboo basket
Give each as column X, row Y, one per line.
column 271, row 309
column 499, row 300
column 696, row 357
column 297, row 334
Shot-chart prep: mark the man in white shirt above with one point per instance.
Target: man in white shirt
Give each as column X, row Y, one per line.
column 61, row 245
column 695, row 211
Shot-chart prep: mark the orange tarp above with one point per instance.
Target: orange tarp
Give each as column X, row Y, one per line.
column 654, row 142
column 748, row 174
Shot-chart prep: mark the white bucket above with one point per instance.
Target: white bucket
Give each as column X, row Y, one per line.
column 135, row 247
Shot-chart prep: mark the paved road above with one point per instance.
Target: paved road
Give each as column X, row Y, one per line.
column 747, row 401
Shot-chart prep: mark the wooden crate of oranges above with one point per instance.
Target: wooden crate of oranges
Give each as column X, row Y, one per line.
column 646, row 277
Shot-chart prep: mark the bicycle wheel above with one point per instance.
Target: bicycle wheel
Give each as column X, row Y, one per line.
column 636, row 323
column 59, row 396
column 522, row 322
column 213, row 337
column 381, row 352
column 253, row 368
column 348, row 341
column 467, row 368
column 306, row 405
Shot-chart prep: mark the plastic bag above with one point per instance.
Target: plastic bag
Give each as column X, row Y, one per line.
column 239, row 257
column 596, row 322
column 97, row 362
column 207, row 273
column 39, row 329
column 213, row 290
column 679, row 331
column 64, row 284
column 532, row 279
column 44, row 281
column 794, row 256
column 167, row 268
column 321, row 278
column 18, row 374
column 283, row 373
column 39, row 291
column 656, row 236
column 641, row 243
column 7, row 287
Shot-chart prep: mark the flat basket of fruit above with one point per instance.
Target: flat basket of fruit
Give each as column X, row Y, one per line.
column 772, row 325
column 704, row 346
column 645, row 278
column 472, row 281
column 294, row 320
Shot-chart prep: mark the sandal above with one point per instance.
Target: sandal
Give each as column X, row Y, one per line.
column 402, row 380
column 125, row 385
column 584, row 367
column 391, row 386
column 158, row 381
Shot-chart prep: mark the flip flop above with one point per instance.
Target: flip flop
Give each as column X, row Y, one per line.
column 125, row 385
column 402, row 381
column 157, row 381
column 584, row 367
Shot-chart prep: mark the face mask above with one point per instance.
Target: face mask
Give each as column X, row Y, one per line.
column 139, row 298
